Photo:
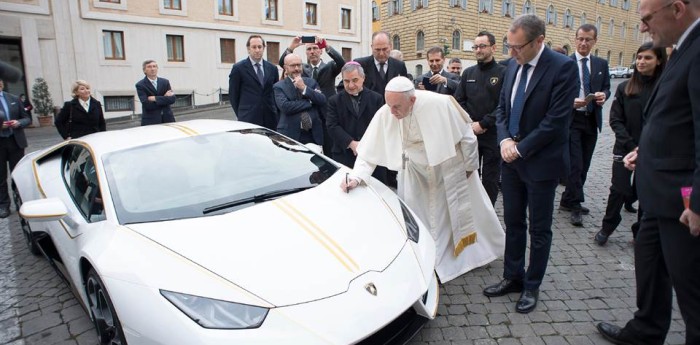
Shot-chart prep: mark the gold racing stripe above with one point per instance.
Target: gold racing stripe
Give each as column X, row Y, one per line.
column 183, row 129
column 318, row 234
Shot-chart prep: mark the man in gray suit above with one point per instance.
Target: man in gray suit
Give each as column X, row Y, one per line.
column 437, row 80
column 12, row 141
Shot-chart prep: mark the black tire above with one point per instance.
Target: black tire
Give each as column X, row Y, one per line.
column 104, row 317
column 26, row 229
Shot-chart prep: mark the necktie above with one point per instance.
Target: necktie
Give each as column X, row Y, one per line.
column 518, row 103
column 381, row 71
column 4, row 132
column 155, row 84
column 259, row 72
column 586, row 80
column 315, row 73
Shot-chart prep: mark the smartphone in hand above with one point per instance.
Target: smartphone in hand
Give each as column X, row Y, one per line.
column 590, row 97
column 308, row 39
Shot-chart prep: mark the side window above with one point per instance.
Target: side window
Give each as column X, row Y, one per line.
column 80, row 177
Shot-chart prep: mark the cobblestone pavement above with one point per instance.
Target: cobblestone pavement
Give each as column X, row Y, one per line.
column 584, row 284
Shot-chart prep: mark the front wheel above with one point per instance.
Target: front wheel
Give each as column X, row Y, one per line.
column 26, row 229
column 104, row 317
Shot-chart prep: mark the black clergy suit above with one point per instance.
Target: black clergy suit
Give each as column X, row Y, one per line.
column 585, row 126
column 345, row 125
column 158, row 111
column 292, row 103
column 252, row 101
column 529, row 182
column 373, row 79
column 665, row 253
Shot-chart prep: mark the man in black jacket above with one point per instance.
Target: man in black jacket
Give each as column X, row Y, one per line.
column 13, row 119
column 478, row 93
column 379, row 67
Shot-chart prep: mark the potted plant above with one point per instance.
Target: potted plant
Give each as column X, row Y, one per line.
column 43, row 104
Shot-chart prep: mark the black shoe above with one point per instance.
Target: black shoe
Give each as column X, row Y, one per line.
column 576, row 218
column 613, row 334
column 630, row 208
column 527, row 301
column 4, row 212
column 504, row 287
column 583, row 209
column 601, row 238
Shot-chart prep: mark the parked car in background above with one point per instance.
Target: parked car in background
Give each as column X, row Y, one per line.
column 620, row 72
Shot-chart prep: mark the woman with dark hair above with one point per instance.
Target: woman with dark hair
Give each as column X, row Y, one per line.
column 82, row 115
column 626, row 121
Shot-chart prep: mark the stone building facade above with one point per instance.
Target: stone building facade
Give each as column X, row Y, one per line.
column 417, row 25
column 194, row 41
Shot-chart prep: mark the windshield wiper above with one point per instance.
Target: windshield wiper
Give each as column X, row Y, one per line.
column 255, row 199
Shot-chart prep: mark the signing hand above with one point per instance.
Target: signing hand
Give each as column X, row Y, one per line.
column 347, row 184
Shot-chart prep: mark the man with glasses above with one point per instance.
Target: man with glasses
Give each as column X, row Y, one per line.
column 667, row 247
column 594, row 79
column 478, row 93
column 437, row 79
column 532, row 122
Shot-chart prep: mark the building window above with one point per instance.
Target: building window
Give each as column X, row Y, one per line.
column 119, row 103
column 626, row 5
column 619, row 60
column 568, row 19
column 608, row 56
column 113, row 42
column 459, row 3
column 505, row 50
column 599, row 23
column 456, row 40
column 228, row 50
column 273, row 52
column 345, row 14
column 416, row 4
column 112, row 1
column 172, row 4
column 226, row 7
column 375, row 11
column 507, row 8
column 396, row 42
column 611, row 29
column 596, row 52
column 567, row 49
column 636, row 32
column 419, row 70
column 176, row 47
column 420, row 41
column 183, row 100
column 485, row 6
column 270, row 9
column 347, row 54
column 527, row 8
column 613, row 3
column 551, row 16
column 583, row 18
column 601, row 2
column 395, row 7
column 311, row 14
column 623, row 30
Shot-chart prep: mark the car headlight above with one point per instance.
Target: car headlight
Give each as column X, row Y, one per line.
column 412, row 229
column 212, row 313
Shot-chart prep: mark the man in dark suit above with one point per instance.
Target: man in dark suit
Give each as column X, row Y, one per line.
column 12, row 141
column 379, row 67
column 155, row 95
column 479, row 93
column 666, row 250
column 587, row 119
column 250, row 86
column 439, row 80
column 324, row 73
column 299, row 100
column 532, row 121
column 349, row 113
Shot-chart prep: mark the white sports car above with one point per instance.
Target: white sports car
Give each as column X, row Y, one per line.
column 222, row 232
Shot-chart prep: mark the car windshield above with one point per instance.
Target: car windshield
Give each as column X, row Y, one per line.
column 209, row 174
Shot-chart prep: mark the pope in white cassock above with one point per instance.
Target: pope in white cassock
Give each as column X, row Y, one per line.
column 428, row 139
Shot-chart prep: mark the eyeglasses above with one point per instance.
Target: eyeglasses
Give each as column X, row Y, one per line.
column 646, row 19
column 517, row 48
column 481, row 46
column 584, row 39
column 295, row 65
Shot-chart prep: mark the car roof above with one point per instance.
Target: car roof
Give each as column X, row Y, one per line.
column 117, row 140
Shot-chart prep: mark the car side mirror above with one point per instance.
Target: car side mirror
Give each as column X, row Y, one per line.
column 43, row 210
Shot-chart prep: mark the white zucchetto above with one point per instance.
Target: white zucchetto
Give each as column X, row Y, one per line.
column 399, row 84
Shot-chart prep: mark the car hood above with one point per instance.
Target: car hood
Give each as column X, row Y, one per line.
column 294, row 249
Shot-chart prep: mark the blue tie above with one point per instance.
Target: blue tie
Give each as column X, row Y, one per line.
column 518, row 103
column 259, row 72
column 586, row 76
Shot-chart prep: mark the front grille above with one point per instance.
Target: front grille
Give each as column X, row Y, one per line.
column 399, row 331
